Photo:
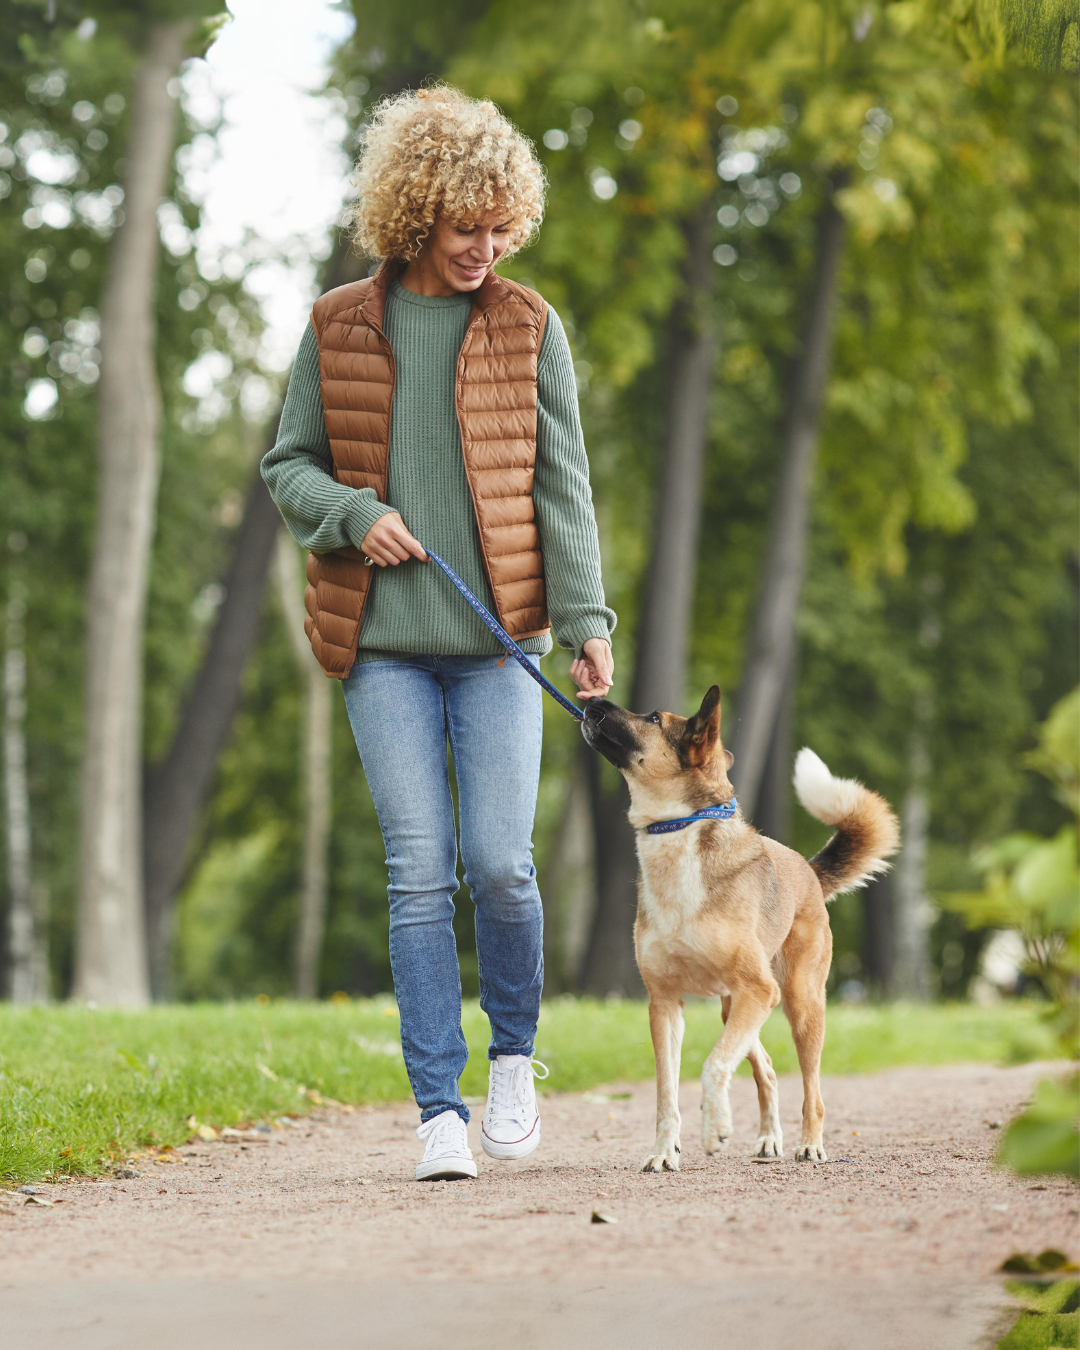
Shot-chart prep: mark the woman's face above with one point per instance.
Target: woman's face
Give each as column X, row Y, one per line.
column 457, row 257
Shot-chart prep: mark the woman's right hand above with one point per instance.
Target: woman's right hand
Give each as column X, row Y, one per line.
column 389, row 542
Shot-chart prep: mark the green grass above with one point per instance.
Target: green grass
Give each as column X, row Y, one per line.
column 1050, row 1320
column 80, row 1088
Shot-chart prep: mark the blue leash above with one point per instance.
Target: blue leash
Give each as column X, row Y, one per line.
column 504, row 637
column 724, row 811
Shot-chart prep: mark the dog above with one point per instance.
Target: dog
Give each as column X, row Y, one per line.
column 723, row 910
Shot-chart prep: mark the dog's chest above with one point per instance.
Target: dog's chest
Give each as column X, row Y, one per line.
column 673, row 885
column 677, row 928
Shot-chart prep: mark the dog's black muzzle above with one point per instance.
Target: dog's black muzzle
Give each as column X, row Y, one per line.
column 607, row 729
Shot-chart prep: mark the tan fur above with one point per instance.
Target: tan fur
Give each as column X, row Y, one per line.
column 724, row 911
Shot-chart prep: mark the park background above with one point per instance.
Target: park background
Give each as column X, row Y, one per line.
column 817, row 263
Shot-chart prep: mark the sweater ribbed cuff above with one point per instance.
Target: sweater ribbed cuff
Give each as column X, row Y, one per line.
column 575, row 635
column 361, row 514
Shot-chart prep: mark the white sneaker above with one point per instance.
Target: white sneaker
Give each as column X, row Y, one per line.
column 511, row 1127
column 447, row 1155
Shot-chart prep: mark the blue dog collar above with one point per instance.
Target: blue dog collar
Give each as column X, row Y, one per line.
column 724, row 811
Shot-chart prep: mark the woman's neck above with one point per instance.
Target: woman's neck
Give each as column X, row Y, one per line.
column 421, row 281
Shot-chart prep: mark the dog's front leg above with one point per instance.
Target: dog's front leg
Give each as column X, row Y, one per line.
column 666, row 1025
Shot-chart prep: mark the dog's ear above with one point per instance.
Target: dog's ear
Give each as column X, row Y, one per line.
column 703, row 729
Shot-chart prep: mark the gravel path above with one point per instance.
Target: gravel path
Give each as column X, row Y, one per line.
column 896, row 1239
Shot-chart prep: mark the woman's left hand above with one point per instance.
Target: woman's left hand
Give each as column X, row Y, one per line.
column 593, row 672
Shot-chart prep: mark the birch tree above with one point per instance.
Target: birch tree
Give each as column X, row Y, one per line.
column 111, row 962
column 315, row 758
column 28, row 962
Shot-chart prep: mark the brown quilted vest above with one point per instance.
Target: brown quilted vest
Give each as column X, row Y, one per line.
column 495, row 397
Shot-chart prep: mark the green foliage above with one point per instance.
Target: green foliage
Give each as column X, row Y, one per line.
column 1050, row 1320
column 80, row 1088
column 1032, row 885
column 1044, row 1137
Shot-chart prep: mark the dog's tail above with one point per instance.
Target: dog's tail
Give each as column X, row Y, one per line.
column 867, row 832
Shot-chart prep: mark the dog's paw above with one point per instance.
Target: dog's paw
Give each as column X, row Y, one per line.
column 811, row 1153
column 666, row 1160
column 714, row 1143
column 769, row 1146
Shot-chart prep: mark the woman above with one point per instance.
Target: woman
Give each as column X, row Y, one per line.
column 434, row 404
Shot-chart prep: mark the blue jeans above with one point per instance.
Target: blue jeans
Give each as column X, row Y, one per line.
column 402, row 710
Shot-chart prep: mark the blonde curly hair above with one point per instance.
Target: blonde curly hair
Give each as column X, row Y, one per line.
column 431, row 152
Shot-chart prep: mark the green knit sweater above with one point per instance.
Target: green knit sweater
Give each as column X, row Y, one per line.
column 412, row 608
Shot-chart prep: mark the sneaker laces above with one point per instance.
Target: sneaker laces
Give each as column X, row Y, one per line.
column 438, row 1129
column 510, row 1088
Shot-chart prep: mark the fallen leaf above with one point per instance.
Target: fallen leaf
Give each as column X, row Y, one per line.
column 39, row 1200
column 597, row 1217
column 207, row 1132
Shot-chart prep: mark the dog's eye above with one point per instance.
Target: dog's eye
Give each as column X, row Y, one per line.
column 654, row 717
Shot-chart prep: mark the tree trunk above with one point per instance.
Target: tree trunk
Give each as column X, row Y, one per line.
column 877, row 935
column 569, row 882
column 177, row 787
column 315, row 756
column 110, row 960
column 773, row 816
column 664, row 626
column 26, row 933
column 772, row 645
column 912, row 910
column 609, row 966
column 663, row 629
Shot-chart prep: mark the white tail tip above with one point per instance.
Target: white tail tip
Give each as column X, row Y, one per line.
column 827, row 798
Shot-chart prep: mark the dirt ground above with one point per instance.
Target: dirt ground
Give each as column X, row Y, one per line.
column 317, row 1232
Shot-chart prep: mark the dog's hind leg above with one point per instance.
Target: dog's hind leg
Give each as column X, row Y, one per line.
column 804, row 1006
column 745, row 1014
column 666, row 1025
column 770, row 1142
